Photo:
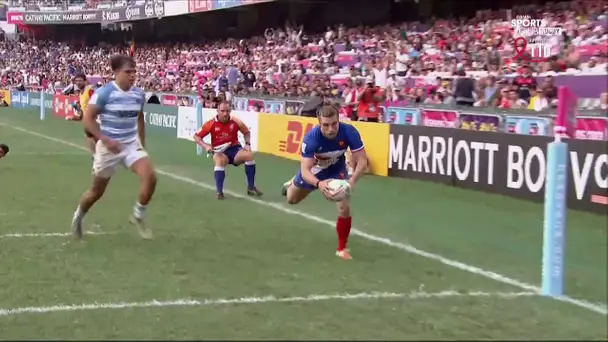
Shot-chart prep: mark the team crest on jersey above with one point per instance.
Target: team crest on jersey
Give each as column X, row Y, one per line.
column 231, row 127
column 341, row 143
column 216, row 129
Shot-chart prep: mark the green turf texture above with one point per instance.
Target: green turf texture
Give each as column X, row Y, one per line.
column 209, row 249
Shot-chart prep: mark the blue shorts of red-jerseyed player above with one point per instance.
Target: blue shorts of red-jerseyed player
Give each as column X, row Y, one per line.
column 231, row 152
column 331, row 173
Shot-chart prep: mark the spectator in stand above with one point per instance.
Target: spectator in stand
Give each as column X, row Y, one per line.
column 291, row 61
column 464, row 89
column 370, row 100
column 539, row 100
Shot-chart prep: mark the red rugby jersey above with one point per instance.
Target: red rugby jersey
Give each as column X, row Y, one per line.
column 222, row 133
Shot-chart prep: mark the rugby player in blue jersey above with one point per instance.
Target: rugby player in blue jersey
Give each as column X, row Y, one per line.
column 323, row 159
column 120, row 137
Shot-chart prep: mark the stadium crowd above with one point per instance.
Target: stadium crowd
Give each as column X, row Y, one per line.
column 342, row 62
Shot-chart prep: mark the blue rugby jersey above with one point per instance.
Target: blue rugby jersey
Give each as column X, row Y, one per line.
column 119, row 111
column 329, row 153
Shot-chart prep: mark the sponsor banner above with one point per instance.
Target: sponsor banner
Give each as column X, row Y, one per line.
column 274, row 107
column 498, row 163
column 199, row 6
column 173, row 8
column 293, row 107
column 240, row 103
column 19, row 99
column 161, row 118
column 147, row 10
column 479, row 122
column 529, row 125
column 5, row 96
column 283, row 136
column 402, row 116
column 255, row 105
column 168, row 100
column 14, row 18
column 221, row 4
column 186, row 123
column 62, row 17
column 62, row 105
column 591, row 128
column 439, row 118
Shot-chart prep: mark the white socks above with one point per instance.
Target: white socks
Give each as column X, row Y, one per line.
column 139, row 211
column 78, row 214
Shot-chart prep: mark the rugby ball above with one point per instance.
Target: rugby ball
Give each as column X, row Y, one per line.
column 340, row 190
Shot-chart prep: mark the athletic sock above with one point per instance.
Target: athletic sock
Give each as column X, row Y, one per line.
column 139, row 210
column 250, row 173
column 219, row 175
column 343, row 229
column 78, row 214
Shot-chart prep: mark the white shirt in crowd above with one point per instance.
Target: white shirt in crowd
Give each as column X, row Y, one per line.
column 381, row 76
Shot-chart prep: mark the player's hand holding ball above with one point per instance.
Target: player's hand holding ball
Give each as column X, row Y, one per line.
column 337, row 190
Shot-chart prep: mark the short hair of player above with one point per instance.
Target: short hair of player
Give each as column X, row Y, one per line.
column 226, row 102
column 4, row 148
column 327, row 111
column 118, row 62
column 80, row 75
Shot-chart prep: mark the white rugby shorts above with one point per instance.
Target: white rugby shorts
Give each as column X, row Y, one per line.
column 105, row 162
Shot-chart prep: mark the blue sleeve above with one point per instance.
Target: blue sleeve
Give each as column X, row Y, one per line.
column 354, row 138
column 309, row 145
column 99, row 98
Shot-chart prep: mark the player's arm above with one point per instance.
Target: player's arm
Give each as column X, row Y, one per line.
column 89, row 119
column 202, row 133
column 141, row 123
column 141, row 128
column 308, row 160
column 243, row 129
column 359, row 156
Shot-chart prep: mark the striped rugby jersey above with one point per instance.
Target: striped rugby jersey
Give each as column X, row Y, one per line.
column 119, row 111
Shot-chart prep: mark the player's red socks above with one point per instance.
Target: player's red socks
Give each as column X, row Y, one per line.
column 343, row 229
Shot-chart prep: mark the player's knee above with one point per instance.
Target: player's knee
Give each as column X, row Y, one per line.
column 246, row 156
column 295, row 195
column 344, row 209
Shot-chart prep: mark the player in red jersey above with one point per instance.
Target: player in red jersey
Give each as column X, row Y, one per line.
column 227, row 149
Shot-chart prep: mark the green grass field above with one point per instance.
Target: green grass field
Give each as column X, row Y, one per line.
column 259, row 269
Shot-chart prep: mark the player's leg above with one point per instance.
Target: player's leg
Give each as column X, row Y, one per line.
column 138, row 161
column 239, row 157
column 343, row 225
column 104, row 165
column 219, row 172
column 297, row 190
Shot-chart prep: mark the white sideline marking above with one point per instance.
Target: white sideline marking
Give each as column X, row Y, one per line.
column 262, row 300
column 16, row 153
column 600, row 308
column 26, row 235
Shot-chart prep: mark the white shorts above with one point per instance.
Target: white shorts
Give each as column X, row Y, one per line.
column 105, row 162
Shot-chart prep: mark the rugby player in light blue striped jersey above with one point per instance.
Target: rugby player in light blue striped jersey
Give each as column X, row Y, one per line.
column 120, row 136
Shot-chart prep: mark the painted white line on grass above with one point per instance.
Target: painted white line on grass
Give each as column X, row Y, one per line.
column 17, row 153
column 263, row 300
column 34, row 235
column 600, row 308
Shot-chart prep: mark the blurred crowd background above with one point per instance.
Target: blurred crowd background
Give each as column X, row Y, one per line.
column 415, row 58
